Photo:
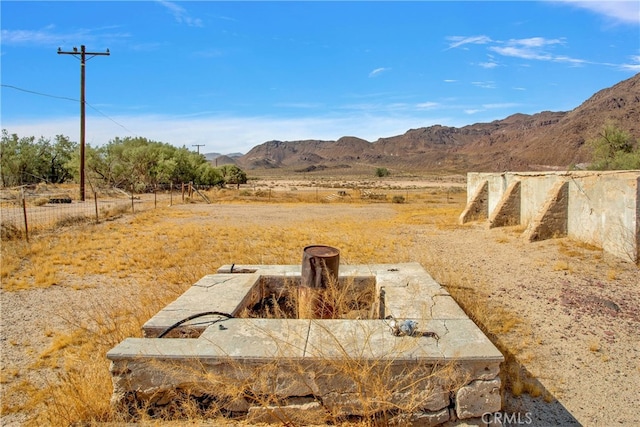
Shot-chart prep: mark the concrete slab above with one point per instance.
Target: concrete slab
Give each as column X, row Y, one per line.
column 366, row 339
column 305, row 357
column 225, row 293
column 259, row 338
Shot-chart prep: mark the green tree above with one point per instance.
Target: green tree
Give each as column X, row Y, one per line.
column 208, row 175
column 8, row 159
column 24, row 160
column 232, row 174
column 62, row 152
column 615, row 149
column 122, row 162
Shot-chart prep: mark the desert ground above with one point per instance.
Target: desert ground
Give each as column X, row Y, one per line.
column 566, row 314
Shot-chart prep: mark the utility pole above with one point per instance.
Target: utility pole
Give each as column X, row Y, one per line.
column 82, row 55
column 198, row 145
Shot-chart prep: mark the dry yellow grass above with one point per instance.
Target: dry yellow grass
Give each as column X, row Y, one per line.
column 164, row 253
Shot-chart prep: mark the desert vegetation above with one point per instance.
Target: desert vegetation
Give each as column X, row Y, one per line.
column 132, row 163
column 616, row 149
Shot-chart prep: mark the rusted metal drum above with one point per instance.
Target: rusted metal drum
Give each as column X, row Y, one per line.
column 320, row 265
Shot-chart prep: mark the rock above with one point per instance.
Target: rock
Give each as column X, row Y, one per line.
column 477, row 398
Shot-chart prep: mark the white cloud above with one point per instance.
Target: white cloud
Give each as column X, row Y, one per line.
column 457, row 41
column 488, row 65
column 450, row 81
column 378, row 71
column 535, row 49
column 634, row 65
column 47, row 36
column 427, row 105
column 528, row 48
column 180, row 14
column 534, row 42
column 621, row 11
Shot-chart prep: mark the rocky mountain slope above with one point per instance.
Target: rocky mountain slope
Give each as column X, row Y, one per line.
column 546, row 140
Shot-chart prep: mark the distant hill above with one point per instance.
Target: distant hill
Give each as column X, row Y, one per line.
column 545, row 140
column 217, row 159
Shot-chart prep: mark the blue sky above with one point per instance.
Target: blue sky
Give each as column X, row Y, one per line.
column 232, row 75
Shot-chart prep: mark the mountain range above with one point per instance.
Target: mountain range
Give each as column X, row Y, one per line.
column 520, row 142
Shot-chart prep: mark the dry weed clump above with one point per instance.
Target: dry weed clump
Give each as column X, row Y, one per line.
column 10, row 231
column 340, row 299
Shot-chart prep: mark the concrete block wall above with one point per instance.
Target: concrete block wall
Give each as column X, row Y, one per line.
column 602, row 208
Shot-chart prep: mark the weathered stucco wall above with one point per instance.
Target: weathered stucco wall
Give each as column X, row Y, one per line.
column 602, row 207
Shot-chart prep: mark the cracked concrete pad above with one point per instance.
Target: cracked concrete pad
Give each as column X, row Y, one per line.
column 366, row 339
column 259, row 338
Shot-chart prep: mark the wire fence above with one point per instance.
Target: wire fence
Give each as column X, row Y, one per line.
column 29, row 210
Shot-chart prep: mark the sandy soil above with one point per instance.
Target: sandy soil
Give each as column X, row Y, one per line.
column 581, row 304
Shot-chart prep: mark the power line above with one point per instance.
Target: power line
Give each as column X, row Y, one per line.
column 40, row 93
column 70, row 99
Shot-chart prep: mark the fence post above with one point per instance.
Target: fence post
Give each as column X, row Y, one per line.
column 155, row 196
column 183, row 192
column 132, row 208
column 24, row 210
column 95, row 198
column 171, row 194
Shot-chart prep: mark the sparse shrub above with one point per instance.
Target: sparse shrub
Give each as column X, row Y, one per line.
column 40, row 201
column 382, row 172
column 615, row 149
column 398, row 199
